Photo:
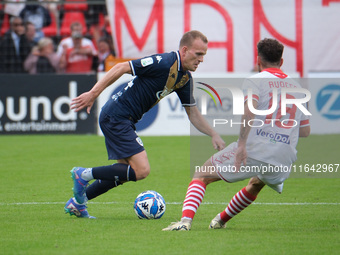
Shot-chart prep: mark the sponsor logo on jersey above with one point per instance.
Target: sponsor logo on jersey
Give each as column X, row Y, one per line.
column 274, row 137
column 139, row 141
column 146, row 61
column 159, row 58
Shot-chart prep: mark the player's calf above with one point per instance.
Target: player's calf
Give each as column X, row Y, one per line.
column 254, row 186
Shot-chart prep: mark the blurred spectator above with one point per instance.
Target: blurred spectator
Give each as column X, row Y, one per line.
column 43, row 58
column 76, row 51
column 2, row 15
column 105, row 55
column 94, row 14
column 38, row 15
column 14, row 47
column 30, row 33
column 51, row 6
column 15, row 8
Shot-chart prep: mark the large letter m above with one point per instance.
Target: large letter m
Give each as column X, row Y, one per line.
column 121, row 15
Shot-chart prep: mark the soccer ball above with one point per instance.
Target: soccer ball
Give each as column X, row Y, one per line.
column 149, row 205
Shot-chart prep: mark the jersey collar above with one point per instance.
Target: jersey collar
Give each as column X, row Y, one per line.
column 179, row 61
column 276, row 71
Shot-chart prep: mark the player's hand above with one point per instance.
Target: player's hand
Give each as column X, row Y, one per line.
column 84, row 100
column 240, row 157
column 218, row 142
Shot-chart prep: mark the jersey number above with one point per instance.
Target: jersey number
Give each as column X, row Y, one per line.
column 289, row 110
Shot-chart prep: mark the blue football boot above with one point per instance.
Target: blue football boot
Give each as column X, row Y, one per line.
column 79, row 210
column 79, row 185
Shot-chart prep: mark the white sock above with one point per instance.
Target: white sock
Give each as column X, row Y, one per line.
column 87, row 174
column 186, row 219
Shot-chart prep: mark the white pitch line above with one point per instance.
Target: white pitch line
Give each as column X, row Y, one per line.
column 168, row 203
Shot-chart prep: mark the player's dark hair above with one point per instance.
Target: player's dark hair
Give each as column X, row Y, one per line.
column 190, row 36
column 270, row 50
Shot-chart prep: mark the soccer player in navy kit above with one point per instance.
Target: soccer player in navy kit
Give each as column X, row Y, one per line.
column 156, row 77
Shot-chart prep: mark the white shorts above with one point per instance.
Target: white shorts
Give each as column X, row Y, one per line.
column 271, row 175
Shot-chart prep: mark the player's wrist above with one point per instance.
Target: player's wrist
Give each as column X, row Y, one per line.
column 241, row 143
column 214, row 134
column 94, row 93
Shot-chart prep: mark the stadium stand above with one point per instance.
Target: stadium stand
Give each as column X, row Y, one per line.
column 102, row 24
column 52, row 29
column 91, row 14
column 76, row 6
column 5, row 25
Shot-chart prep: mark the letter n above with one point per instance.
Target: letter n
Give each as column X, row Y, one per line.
column 327, row 2
column 156, row 16
column 228, row 43
column 261, row 19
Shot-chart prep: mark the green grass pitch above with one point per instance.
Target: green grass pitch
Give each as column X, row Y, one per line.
column 36, row 183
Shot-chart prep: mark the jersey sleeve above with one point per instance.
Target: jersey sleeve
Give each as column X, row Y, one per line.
column 250, row 84
column 304, row 122
column 185, row 94
column 147, row 66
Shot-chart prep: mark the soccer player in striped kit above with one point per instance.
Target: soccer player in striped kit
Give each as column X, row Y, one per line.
column 268, row 151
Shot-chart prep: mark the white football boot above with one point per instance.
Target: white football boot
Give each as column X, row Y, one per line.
column 178, row 226
column 217, row 223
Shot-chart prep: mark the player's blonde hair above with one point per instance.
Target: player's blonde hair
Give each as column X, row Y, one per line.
column 190, row 36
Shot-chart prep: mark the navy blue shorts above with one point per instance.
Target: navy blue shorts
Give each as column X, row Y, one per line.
column 121, row 138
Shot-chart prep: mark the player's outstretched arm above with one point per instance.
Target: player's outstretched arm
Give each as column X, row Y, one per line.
column 203, row 126
column 87, row 99
column 241, row 153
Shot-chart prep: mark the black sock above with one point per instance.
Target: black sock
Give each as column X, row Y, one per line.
column 117, row 172
column 99, row 187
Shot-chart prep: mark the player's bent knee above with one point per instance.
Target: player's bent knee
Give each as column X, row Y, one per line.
column 254, row 186
column 207, row 180
column 142, row 172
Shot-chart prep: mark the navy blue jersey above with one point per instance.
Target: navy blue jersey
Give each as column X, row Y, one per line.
column 156, row 77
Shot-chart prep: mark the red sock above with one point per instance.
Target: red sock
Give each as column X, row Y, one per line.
column 193, row 198
column 240, row 201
